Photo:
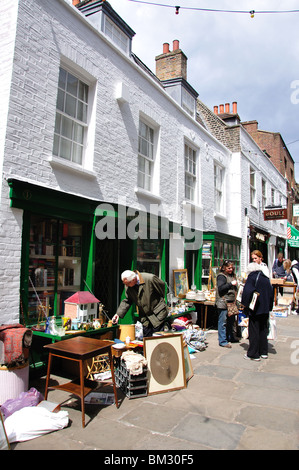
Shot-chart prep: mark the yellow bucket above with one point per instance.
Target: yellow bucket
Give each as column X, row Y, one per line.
column 126, row 330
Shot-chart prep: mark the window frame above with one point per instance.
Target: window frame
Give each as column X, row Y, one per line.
column 190, row 172
column 116, row 35
column 252, row 186
column 63, row 118
column 264, row 193
column 147, row 142
column 219, row 208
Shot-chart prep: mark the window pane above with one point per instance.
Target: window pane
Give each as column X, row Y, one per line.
column 56, row 145
column 82, row 111
column 78, row 133
column 65, row 148
column 72, row 84
column 77, row 153
column 66, row 127
column 70, row 105
column 60, row 100
column 57, row 123
column 83, row 92
column 62, row 78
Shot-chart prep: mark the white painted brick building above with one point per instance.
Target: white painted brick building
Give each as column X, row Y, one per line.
column 40, row 37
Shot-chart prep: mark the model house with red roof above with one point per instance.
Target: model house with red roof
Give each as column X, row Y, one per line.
column 81, row 306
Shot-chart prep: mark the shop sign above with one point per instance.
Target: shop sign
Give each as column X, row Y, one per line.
column 295, row 210
column 260, row 236
column 275, row 214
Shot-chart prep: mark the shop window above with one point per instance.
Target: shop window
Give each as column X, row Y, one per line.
column 54, row 265
column 149, row 256
column 71, row 118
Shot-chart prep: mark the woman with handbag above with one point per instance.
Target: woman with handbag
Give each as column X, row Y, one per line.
column 226, row 290
column 257, row 299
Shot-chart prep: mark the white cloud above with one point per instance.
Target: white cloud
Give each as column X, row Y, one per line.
column 231, row 57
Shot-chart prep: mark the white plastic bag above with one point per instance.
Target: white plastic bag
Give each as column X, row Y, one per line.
column 272, row 328
column 31, row 422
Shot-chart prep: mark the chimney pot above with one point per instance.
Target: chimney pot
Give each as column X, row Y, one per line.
column 216, row 109
column 235, row 107
column 227, row 108
column 221, row 107
column 176, row 45
column 165, row 48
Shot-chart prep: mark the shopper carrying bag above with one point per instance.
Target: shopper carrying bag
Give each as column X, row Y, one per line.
column 258, row 285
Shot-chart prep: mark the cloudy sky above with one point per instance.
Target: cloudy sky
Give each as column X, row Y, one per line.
column 231, row 56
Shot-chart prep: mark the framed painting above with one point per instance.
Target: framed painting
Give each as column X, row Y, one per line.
column 165, row 362
column 188, row 365
column 180, row 282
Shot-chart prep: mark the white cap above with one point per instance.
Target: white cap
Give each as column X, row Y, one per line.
column 129, row 275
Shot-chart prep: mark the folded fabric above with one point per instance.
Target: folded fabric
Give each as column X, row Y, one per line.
column 134, row 362
column 14, row 339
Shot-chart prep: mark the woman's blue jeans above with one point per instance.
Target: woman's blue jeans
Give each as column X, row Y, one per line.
column 225, row 327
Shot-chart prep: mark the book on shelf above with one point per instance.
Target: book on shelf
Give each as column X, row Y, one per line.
column 66, row 277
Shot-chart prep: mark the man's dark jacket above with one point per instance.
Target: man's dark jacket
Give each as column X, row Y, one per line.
column 149, row 297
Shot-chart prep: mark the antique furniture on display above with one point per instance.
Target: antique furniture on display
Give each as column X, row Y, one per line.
column 276, row 283
column 79, row 349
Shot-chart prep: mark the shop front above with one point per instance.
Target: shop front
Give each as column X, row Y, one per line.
column 72, row 244
column 258, row 240
column 218, row 247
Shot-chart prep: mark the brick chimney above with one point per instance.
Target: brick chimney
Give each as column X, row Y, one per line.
column 171, row 64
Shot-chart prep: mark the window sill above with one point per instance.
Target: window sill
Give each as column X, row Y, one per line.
column 219, row 216
column 147, row 194
column 73, row 167
column 196, row 206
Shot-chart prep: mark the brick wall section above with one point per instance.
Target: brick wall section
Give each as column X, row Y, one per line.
column 171, row 65
column 273, row 144
column 227, row 135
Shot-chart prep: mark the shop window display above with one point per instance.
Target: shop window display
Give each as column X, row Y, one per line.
column 54, row 270
column 149, row 256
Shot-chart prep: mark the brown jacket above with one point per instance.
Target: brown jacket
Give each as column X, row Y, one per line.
column 149, row 297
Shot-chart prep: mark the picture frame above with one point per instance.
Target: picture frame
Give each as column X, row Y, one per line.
column 165, row 363
column 180, row 282
column 188, row 365
column 240, row 293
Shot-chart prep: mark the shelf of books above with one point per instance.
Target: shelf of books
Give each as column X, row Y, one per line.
column 54, row 265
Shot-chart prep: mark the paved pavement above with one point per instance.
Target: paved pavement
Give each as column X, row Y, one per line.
column 229, row 403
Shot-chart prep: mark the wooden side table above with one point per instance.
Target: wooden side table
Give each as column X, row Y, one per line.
column 79, row 349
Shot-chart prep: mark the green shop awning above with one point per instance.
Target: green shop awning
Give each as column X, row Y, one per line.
column 293, row 236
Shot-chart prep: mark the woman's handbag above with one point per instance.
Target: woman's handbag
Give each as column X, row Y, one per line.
column 232, row 309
